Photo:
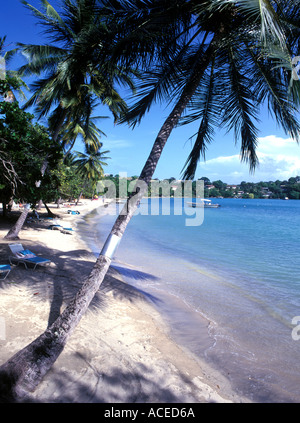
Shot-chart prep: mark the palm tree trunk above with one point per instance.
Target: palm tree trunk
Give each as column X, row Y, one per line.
column 24, row 371
column 13, row 233
column 69, row 149
column 81, row 192
column 38, row 183
column 49, row 212
column 59, row 201
column 79, row 197
column 59, row 125
column 4, row 209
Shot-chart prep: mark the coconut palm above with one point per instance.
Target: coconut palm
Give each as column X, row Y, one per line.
column 90, row 166
column 217, row 70
column 69, row 64
column 9, row 76
column 72, row 74
column 79, row 122
column 227, row 65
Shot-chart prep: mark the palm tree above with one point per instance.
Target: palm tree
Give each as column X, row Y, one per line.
column 90, row 166
column 70, row 63
column 9, row 76
column 73, row 75
column 80, row 122
column 228, row 63
column 218, row 70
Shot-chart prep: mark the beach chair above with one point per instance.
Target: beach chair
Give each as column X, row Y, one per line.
column 60, row 228
column 73, row 212
column 5, row 270
column 52, row 227
column 20, row 255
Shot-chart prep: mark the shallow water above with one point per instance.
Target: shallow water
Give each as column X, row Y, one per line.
column 239, row 269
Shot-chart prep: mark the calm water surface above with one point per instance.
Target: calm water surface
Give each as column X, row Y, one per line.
column 240, row 269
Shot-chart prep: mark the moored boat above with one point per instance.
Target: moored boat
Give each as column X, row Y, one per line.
column 203, row 203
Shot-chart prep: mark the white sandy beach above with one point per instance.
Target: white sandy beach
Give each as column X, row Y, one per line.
column 120, row 352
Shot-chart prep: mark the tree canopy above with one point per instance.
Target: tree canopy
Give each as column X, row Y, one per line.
column 216, row 62
column 226, row 61
column 23, row 147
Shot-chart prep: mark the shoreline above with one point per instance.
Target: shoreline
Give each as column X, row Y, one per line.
column 120, row 351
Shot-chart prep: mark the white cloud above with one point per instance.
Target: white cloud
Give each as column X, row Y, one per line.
column 224, row 160
column 114, row 144
column 279, row 158
column 272, row 144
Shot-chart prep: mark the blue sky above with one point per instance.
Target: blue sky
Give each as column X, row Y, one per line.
column 279, row 156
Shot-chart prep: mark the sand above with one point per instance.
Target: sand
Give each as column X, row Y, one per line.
column 121, row 351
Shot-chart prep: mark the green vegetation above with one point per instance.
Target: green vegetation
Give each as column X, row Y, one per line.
column 214, row 63
column 23, row 148
column 279, row 189
column 24, row 145
column 71, row 183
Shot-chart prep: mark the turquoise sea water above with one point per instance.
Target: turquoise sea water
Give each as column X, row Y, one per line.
column 240, row 269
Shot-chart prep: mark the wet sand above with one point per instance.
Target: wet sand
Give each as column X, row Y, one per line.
column 120, row 352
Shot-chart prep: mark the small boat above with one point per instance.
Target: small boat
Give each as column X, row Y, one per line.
column 204, row 203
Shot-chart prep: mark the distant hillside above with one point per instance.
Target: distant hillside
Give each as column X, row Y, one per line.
column 279, row 189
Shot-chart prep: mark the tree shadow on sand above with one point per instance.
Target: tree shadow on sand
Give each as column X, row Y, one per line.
column 59, row 284
column 60, row 281
column 137, row 383
column 134, row 274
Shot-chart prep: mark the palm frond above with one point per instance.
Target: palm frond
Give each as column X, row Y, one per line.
column 270, row 86
column 207, row 110
column 240, row 110
column 254, row 11
column 40, row 58
column 90, row 164
column 162, row 83
column 54, row 25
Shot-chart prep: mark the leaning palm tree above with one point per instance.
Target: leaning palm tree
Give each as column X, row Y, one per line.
column 217, row 70
column 228, row 63
column 90, row 166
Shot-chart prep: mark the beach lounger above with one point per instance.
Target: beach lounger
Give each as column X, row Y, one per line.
column 5, row 270
column 67, row 230
column 52, row 227
column 20, row 255
column 60, row 228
